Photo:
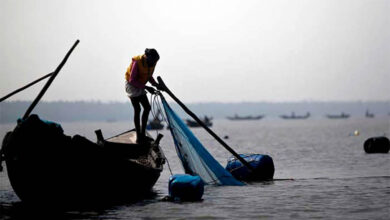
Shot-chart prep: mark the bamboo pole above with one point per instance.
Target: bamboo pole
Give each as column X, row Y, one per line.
column 25, row 87
column 48, row 83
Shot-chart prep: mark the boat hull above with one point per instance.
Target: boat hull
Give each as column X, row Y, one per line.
column 154, row 126
column 245, row 118
column 195, row 124
column 46, row 166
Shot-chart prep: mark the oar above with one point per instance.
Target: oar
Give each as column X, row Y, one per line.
column 200, row 122
column 25, row 87
column 35, row 102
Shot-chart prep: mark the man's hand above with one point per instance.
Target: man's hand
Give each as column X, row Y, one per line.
column 150, row 89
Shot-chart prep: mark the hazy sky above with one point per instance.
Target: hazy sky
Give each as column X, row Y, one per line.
column 224, row 51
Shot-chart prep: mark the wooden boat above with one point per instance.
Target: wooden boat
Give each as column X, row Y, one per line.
column 155, row 125
column 341, row 116
column 293, row 116
column 45, row 166
column 369, row 114
column 237, row 118
column 207, row 121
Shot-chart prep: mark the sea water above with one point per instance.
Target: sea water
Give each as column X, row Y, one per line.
column 321, row 171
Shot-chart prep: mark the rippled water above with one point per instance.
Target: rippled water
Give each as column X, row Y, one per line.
column 333, row 178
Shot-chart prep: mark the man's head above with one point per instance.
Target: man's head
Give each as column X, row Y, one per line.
column 151, row 56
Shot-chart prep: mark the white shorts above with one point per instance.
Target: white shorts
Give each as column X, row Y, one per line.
column 133, row 91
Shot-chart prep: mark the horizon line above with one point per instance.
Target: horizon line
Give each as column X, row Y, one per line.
column 215, row 102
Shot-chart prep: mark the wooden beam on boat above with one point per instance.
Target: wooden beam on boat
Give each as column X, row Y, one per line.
column 48, row 83
column 26, row 86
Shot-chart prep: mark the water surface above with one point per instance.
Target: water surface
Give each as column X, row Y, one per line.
column 333, row 178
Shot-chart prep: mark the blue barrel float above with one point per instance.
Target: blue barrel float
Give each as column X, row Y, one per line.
column 184, row 187
column 263, row 167
column 377, row 145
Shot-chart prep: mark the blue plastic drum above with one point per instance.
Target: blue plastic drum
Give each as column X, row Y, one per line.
column 185, row 187
column 263, row 167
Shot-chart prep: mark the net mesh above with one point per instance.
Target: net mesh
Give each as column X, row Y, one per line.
column 196, row 160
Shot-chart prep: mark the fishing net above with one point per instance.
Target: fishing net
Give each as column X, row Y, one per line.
column 196, row 160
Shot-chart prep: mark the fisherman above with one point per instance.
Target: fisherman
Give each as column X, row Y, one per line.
column 137, row 75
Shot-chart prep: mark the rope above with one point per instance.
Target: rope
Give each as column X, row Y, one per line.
column 155, row 104
column 169, row 167
column 159, row 108
column 1, row 160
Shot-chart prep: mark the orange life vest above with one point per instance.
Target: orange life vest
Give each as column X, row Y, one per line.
column 144, row 72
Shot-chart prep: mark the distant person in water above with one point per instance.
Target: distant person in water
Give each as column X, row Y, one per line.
column 137, row 75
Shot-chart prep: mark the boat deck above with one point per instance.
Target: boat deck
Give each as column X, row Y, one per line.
column 147, row 155
column 128, row 137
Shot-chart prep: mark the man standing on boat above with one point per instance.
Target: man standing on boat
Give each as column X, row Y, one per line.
column 137, row 75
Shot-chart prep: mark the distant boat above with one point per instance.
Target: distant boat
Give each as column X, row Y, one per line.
column 110, row 120
column 155, row 124
column 369, row 114
column 293, row 116
column 236, row 117
column 207, row 121
column 341, row 116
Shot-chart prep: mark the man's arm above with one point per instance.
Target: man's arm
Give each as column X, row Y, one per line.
column 155, row 84
column 153, row 81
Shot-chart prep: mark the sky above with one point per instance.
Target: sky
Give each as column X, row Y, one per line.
column 211, row 50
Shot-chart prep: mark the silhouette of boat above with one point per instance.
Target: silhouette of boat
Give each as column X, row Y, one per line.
column 45, row 166
column 237, row 118
column 155, row 124
column 293, row 116
column 369, row 114
column 341, row 116
column 110, row 120
column 207, row 121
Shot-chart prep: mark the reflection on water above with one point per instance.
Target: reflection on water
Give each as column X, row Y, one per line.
column 333, row 176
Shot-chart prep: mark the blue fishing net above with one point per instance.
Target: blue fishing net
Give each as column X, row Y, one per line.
column 196, row 160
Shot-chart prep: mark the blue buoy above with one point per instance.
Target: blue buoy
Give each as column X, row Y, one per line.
column 263, row 167
column 377, row 145
column 184, row 187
